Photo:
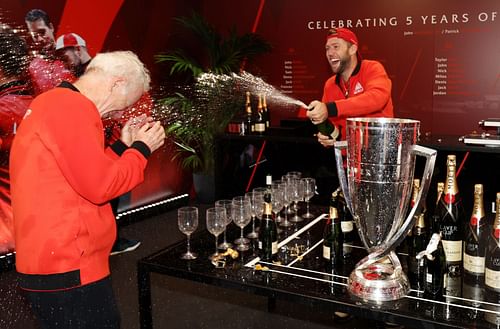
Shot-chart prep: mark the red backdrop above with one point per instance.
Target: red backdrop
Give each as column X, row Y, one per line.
column 442, row 56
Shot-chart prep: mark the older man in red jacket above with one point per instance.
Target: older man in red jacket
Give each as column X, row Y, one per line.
column 62, row 180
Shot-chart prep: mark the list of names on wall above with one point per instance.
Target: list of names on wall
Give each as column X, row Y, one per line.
column 450, row 78
column 296, row 78
column 440, row 76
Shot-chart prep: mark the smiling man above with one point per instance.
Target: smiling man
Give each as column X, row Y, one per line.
column 358, row 88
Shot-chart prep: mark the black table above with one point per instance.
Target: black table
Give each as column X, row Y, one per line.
column 303, row 281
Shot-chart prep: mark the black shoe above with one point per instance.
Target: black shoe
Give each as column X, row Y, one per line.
column 123, row 245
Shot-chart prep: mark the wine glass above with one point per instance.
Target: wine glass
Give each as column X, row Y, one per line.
column 216, row 223
column 297, row 195
column 187, row 220
column 295, row 175
column 241, row 214
column 287, row 200
column 252, row 197
column 309, row 190
column 277, row 199
column 227, row 205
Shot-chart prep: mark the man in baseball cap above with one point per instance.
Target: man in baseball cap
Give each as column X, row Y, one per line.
column 72, row 49
column 358, row 87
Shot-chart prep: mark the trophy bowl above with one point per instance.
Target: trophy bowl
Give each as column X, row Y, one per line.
column 380, row 163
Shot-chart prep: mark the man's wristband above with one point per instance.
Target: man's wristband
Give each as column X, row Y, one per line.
column 332, row 109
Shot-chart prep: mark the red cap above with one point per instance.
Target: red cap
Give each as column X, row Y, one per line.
column 344, row 34
column 70, row 40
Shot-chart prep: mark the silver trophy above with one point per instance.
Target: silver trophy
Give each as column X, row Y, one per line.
column 380, row 164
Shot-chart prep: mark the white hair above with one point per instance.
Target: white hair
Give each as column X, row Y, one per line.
column 121, row 64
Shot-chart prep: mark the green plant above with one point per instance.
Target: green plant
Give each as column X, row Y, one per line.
column 208, row 101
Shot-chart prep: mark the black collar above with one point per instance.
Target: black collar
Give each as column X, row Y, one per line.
column 356, row 71
column 66, row 84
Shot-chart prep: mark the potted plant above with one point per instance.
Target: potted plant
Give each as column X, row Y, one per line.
column 207, row 102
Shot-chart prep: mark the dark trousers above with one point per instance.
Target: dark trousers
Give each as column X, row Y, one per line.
column 88, row 307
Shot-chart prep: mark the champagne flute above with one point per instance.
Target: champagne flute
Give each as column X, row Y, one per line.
column 216, row 223
column 298, row 194
column 187, row 220
column 251, row 197
column 309, row 190
column 287, row 200
column 241, row 214
column 277, row 198
column 227, row 205
column 296, row 175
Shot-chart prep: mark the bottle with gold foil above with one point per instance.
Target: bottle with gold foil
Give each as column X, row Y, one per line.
column 450, row 213
column 260, row 123
column 267, row 114
column 405, row 246
column 418, row 242
column 268, row 237
column 474, row 246
column 492, row 259
column 249, row 120
column 333, row 239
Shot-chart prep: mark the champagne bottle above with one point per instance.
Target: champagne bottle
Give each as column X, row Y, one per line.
column 474, row 247
column 435, row 269
column 416, row 267
column 347, row 226
column 268, row 237
column 492, row 259
column 451, row 215
column 333, row 239
column 259, row 124
column 249, row 122
column 327, row 128
column 267, row 114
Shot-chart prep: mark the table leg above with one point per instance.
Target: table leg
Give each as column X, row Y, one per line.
column 144, row 287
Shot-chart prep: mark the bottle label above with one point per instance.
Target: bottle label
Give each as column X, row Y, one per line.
column 274, row 247
column 260, row 245
column 346, row 226
column 326, row 252
column 452, row 250
column 492, row 278
column 428, row 278
column 260, row 127
column 474, row 264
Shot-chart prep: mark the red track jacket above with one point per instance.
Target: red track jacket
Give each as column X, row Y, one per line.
column 368, row 94
column 62, row 178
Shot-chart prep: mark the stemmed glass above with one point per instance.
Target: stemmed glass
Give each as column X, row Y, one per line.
column 296, row 175
column 253, row 196
column 287, row 200
column 277, row 199
column 309, row 190
column 297, row 195
column 216, row 223
column 227, row 205
column 187, row 220
column 241, row 214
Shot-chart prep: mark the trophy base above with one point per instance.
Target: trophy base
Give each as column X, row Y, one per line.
column 379, row 282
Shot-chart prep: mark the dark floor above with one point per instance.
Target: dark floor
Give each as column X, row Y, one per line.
column 176, row 303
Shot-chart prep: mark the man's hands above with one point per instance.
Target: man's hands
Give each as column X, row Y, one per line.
column 143, row 129
column 325, row 140
column 318, row 112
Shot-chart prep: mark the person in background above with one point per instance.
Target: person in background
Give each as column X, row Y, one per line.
column 72, row 49
column 358, row 87
column 62, row 178
column 15, row 97
column 46, row 71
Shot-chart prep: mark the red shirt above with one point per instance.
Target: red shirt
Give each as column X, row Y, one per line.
column 14, row 100
column 62, row 179
column 368, row 94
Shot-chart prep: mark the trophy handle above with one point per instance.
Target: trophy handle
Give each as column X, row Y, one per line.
column 385, row 248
